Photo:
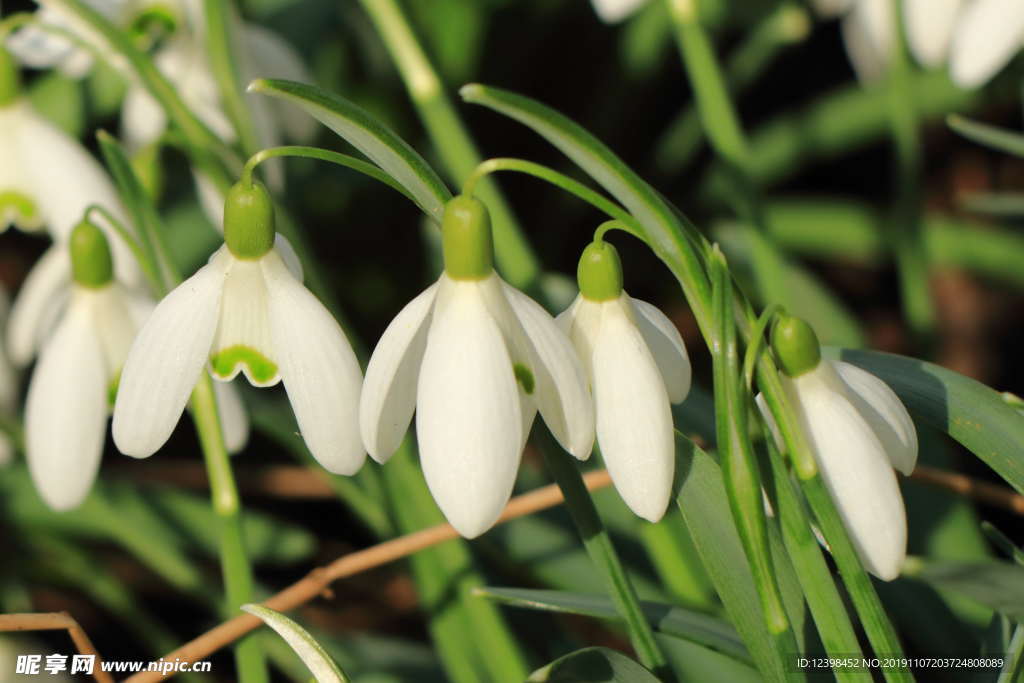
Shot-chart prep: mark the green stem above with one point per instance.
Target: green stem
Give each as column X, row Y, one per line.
column 221, row 44
column 323, row 155
column 235, row 566
column 454, row 145
column 606, row 560
column 907, row 233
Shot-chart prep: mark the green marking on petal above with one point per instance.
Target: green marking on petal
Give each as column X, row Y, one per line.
column 19, row 209
column 112, row 389
column 524, row 376
column 261, row 368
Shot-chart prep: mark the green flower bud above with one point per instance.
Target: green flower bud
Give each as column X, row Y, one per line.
column 10, row 78
column 599, row 273
column 796, row 346
column 249, row 220
column 466, row 239
column 91, row 262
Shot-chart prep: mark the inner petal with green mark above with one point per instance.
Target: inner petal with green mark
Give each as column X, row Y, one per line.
column 19, row 209
column 524, row 376
column 242, row 342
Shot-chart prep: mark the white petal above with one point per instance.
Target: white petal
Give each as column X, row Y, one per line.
column 243, row 341
column 468, row 418
column 883, row 410
column 614, row 11
column 21, row 209
column 929, row 25
column 389, row 390
column 143, row 120
column 666, row 345
column 165, row 361
column 211, row 199
column 561, row 388
column 66, row 411
column 287, row 253
column 115, row 323
column 233, row 419
column 48, row 278
column 273, row 57
column 988, row 34
column 634, row 421
column 319, row 369
column 868, row 35
column 855, row 468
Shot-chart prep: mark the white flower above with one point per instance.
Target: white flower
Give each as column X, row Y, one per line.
column 243, row 315
column 614, row 11
column 977, row 38
column 637, row 363
column 476, row 359
column 40, row 48
column 858, row 431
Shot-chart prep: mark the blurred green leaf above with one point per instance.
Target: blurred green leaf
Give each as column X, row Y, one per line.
column 997, row 138
column 59, row 99
column 593, row 665
column 997, row 584
column 678, row 622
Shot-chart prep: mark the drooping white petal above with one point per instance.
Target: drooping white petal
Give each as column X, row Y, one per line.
column 667, row 348
column 560, row 389
column 988, row 34
column 165, row 361
column 116, row 324
column 66, row 411
column 18, row 203
column 243, row 341
column 929, row 25
column 211, row 200
column 634, row 421
column 50, row 276
column 291, row 259
column 468, row 418
column 883, row 410
column 319, row 369
column 389, row 390
column 868, row 34
column 143, row 120
column 233, row 418
column 614, row 11
column 854, row 467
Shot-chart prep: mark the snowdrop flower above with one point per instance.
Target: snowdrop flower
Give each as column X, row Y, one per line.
column 475, row 359
column 858, row 431
column 72, row 388
column 614, row 11
column 245, row 311
column 37, row 192
column 41, row 48
column 636, row 362
column 977, row 38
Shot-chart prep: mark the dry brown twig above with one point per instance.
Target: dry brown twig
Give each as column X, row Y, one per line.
column 984, row 492
column 318, row 580
column 54, row 621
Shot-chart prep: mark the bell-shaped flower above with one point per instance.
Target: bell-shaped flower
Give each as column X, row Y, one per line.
column 976, row 38
column 637, row 364
column 475, row 359
column 71, row 390
column 858, row 431
column 245, row 311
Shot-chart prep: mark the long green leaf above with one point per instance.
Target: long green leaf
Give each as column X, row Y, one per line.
column 306, row 647
column 990, row 136
column 967, row 410
column 673, row 621
column 664, row 231
column 371, row 137
column 997, row 584
column 593, row 665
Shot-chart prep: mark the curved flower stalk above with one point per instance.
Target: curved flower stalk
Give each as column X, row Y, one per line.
column 636, row 363
column 475, row 359
column 72, row 388
column 859, row 431
column 976, row 38
column 245, row 311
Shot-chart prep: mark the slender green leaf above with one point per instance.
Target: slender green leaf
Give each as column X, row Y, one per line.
column 997, row 584
column 990, row 136
column 967, row 410
column 309, row 650
column 371, row 137
column 593, row 665
column 668, row 620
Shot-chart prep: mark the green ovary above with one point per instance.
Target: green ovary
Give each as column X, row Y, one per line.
column 24, row 210
column 261, row 368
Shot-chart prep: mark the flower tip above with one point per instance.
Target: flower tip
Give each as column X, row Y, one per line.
column 257, row 85
column 471, row 91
